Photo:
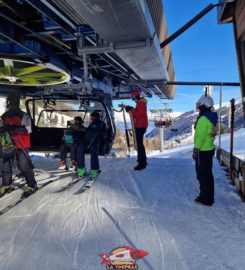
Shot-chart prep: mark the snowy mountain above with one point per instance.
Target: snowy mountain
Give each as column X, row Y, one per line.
column 182, row 125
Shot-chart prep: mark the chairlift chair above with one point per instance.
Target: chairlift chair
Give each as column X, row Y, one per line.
column 47, row 134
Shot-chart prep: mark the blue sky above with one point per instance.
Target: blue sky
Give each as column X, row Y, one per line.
column 205, row 52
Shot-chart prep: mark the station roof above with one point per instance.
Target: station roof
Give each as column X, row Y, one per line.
column 118, row 37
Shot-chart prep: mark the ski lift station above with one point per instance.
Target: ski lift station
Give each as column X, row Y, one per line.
column 68, row 58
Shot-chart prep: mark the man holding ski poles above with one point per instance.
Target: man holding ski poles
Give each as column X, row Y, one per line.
column 18, row 124
column 140, row 118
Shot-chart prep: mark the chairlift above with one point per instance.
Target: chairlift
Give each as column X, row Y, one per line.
column 47, row 134
column 163, row 120
column 162, row 123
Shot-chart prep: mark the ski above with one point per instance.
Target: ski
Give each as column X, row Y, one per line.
column 82, row 188
column 88, row 184
column 75, row 179
column 91, row 182
column 23, row 197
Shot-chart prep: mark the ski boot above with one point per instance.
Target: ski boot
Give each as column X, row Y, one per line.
column 94, row 174
column 6, row 189
column 73, row 165
column 29, row 191
column 62, row 165
column 140, row 167
column 81, row 172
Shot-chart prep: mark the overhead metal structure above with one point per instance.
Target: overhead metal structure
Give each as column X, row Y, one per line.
column 111, row 43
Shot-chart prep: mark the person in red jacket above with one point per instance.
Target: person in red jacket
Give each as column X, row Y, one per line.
column 141, row 123
column 18, row 124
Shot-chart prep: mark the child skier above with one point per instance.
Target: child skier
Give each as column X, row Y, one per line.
column 94, row 139
column 74, row 135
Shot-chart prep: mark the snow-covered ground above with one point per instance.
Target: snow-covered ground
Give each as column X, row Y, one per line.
column 239, row 143
column 151, row 210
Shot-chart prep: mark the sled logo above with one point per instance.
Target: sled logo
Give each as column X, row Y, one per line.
column 123, row 258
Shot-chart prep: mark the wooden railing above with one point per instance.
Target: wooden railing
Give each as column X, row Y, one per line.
column 236, row 168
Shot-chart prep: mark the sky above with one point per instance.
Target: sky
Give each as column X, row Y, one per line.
column 205, row 52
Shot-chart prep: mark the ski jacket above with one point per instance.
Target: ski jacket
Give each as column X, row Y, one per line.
column 140, row 113
column 96, row 132
column 18, row 123
column 204, row 135
column 75, row 134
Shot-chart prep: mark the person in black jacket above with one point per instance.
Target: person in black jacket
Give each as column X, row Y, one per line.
column 18, row 124
column 94, row 139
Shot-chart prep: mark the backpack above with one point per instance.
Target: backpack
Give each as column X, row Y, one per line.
column 7, row 148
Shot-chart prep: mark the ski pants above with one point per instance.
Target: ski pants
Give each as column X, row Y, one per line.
column 94, row 160
column 141, row 155
column 205, row 176
column 65, row 148
column 24, row 164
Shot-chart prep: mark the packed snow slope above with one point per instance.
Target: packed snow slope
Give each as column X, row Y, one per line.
column 151, row 210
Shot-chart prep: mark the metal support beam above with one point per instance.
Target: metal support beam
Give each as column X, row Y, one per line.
column 232, row 138
column 151, row 83
column 112, row 47
column 48, row 10
column 85, row 67
column 24, row 47
column 161, row 134
column 188, row 25
column 107, row 57
column 203, row 83
column 38, row 36
column 220, row 105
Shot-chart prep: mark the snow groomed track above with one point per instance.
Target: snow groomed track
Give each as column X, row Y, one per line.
column 150, row 210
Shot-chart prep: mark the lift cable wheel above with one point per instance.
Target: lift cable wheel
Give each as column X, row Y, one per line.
column 28, row 73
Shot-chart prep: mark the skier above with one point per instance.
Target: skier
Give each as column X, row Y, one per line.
column 95, row 135
column 18, row 124
column 141, row 123
column 73, row 135
column 204, row 148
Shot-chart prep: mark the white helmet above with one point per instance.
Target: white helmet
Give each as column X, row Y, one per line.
column 206, row 101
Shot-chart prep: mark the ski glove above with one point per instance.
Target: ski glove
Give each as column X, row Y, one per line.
column 195, row 154
column 128, row 108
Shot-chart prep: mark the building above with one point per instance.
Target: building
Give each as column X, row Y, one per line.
column 158, row 17
column 233, row 11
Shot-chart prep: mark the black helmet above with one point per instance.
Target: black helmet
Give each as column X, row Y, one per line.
column 95, row 114
column 78, row 119
column 13, row 100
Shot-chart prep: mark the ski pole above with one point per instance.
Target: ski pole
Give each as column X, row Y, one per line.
column 126, row 129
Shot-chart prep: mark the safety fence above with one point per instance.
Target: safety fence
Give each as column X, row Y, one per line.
column 236, row 169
